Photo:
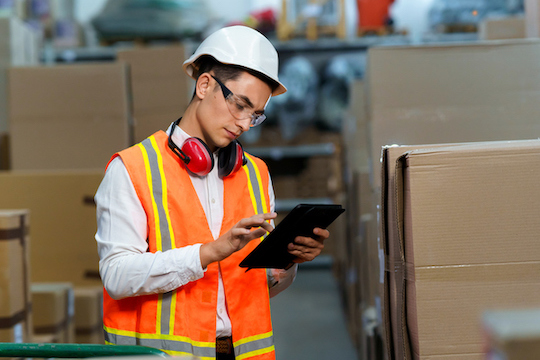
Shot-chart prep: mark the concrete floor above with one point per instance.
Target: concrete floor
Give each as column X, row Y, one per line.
column 309, row 320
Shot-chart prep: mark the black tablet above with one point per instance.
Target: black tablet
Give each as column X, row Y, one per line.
column 272, row 251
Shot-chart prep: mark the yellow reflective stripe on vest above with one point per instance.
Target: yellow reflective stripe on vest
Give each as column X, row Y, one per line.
column 254, row 345
column 157, row 184
column 255, row 185
column 172, row 344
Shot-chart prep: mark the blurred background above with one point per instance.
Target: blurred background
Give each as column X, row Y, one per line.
column 83, row 79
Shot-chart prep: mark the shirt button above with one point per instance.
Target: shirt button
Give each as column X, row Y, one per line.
column 213, row 201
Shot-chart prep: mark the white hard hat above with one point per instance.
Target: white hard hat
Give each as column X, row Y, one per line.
column 243, row 46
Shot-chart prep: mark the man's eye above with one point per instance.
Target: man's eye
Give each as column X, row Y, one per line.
column 240, row 106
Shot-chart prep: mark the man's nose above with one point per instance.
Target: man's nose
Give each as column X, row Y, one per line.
column 244, row 124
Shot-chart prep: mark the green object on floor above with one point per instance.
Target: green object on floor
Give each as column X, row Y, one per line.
column 35, row 350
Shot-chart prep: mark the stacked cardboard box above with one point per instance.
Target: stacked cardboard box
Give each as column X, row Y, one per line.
column 512, row 334
column 53, row 311
column 19, row 46
column 459, row 234
column 15, row 300
column 432, row 94
column 63, row 221
column 159, row 87
column 67, row 116
column 359, row 272
column 89, row 315
column 502, row 28
column 435, row 94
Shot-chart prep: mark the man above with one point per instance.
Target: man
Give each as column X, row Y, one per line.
column 172, row 227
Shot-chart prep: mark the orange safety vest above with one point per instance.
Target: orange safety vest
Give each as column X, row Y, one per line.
column 183, row 321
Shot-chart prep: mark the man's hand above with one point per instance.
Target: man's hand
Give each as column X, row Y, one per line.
column 236, row 238
column 308, row 248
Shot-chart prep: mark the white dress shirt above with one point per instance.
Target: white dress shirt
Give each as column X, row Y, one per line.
column 128, row 269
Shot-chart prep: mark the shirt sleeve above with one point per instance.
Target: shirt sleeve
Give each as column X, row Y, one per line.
column 126, row 267
column 278, row 279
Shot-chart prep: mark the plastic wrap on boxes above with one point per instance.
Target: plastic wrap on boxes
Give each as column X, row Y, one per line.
column 466, row 11
column 336, row 83
column 151, row 19
column 296, row 109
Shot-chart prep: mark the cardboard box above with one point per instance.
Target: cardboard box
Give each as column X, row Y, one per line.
column 68, row 116
column 19, row 46
column 355, row 132
column 464, row 240
column 452, row 93
column 53, row 310
column 89, row 315
column 4, row 151
column 63, row 221
column 502, row 28
column 390, row 252
column 15, row 301
column 512, row 334
column 160, row 89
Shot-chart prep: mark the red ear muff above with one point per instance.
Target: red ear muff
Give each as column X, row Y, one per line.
column 231, row 159
column 199, row 159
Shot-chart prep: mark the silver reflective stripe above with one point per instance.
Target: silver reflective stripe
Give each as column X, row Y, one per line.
column 158, row 194
column 255, row 185
column 166, row 303
column 163, row 344
column 254, row 346
column 166, row 244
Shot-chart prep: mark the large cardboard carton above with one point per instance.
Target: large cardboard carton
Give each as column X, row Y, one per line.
column 450, row 93
column 89, row 315
column 67, row 116
column 63, row 221
column 15, row 301
column 463, row 243
column 512, row 334
column 159, row 87
column 502, row 28
column 19, row 46
column 53, row 311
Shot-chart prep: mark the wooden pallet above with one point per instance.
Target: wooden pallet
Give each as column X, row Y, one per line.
column 457, row 28
column 138, row 41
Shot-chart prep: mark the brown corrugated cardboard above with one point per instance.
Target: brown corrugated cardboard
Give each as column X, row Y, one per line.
column 160, row 89
column 452, row 93
column 465, row 234
column 502, row 28
column 67, row 116
column 63, row 221
column 19, row 46
column 15, row 302
column 53, row 310
column 512, row 334
column 89, row 315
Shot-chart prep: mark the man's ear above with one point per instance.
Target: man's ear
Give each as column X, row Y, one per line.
column 202, row 86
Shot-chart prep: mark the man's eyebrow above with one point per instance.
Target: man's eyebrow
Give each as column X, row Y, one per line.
column 246, row 100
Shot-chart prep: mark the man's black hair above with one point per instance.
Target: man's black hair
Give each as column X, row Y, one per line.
column 225, row 72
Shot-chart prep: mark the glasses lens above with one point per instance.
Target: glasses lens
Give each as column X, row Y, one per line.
column 257, row 119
